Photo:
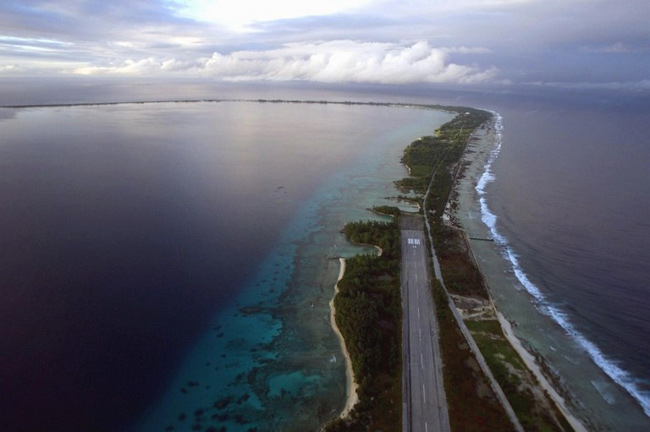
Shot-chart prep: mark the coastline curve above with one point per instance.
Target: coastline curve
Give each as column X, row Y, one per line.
column 351, row 385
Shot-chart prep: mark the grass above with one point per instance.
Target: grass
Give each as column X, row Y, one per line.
column 489, row 336
column 515, row 379
column 469, row 408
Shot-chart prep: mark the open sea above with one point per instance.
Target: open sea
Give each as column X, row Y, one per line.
column 169, row 266
column 566, row 197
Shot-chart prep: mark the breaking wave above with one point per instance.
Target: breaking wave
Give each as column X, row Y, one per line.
column 620, row 376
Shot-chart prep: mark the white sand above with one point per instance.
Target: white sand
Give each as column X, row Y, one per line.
column 532, row 365
column 351, row 385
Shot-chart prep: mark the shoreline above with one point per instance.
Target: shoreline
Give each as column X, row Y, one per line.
column 351, row 386
column 531, row 363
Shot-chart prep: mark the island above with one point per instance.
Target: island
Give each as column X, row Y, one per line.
column 490, row 381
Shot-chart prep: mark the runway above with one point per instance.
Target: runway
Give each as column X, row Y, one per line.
column 425, row 407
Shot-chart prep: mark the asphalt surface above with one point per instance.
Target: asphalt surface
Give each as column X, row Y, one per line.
column 425, row 406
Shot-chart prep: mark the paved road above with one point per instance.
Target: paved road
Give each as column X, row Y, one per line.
column 425, row 406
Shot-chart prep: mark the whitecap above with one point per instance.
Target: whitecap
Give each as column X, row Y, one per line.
column 614, row 371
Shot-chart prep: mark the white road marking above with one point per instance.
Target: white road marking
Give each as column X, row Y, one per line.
column 418, row 311
column 424, row 394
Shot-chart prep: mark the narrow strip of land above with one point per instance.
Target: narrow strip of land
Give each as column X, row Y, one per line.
column 425, row 406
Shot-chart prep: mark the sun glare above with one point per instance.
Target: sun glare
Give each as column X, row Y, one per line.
column 240, row 13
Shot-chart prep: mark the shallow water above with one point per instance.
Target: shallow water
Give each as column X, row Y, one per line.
column 170, row 264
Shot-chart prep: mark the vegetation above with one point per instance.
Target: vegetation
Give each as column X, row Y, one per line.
column 387, row 210
column 534, row 409
column 461, row 275
column 425, row 155
column 438, row 157
column 442, row 153
column 368, row 313
column 471, row 402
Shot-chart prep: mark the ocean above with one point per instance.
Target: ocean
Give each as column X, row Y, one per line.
column 565, row 195
column 169, row 266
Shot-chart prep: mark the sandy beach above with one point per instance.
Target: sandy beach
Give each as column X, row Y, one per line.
column 532, row 365
column 351, row 386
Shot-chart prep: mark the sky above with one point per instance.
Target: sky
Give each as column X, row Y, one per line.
column 501, row 44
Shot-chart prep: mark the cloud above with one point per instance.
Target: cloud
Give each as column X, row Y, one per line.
column 615, row 48
column 329, row 62
column 10, row 68
column 641, row 86
column 519, row 41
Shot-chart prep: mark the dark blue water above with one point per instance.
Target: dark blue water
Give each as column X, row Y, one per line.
column 114, row 225
column 572, row 198
column 128, row 233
